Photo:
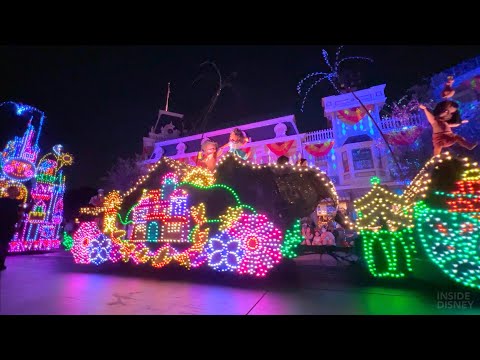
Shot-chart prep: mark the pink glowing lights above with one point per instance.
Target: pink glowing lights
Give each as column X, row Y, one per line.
column 261, row 241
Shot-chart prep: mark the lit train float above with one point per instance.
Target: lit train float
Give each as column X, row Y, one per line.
column 436, row 221
column 242, row 218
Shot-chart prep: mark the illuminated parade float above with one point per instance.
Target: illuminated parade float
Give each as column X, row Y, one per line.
column 242, row 218
column 41, row 184
column 236, row 208
column 435, row 219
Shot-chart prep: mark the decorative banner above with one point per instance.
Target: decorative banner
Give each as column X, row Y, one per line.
column 319, row 150
column 280, row 148
column 248, row 151
column 353, row 115
column 404, row 137
column 190, row 160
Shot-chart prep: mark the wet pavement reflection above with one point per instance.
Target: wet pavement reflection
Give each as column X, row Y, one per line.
column 48, row 284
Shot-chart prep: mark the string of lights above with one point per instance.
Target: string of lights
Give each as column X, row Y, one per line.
column 246, row 242
column 392, row 244
column 293, row 238
column 318, row 172
column 451, row 242
column 449, row 236
column 39, row 229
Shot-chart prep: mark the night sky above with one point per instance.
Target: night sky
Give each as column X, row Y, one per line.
column 101, row 100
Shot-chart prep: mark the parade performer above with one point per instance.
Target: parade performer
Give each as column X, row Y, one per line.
column 447, row 93
column 448, row 90
column 207, row 157
column 236, row 141
column 442, row 133
column 98, row 201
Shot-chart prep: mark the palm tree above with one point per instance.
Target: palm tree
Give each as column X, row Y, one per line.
column 334, row 76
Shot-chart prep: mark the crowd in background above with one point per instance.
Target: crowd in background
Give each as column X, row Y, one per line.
column 326, row 234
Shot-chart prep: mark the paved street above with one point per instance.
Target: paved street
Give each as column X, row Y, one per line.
column 52, row 284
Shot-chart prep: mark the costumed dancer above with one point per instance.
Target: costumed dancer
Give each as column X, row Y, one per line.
column 442, row 133
column 447, row 93
column 98, row 202
column 448, row 90
column 98, row 199
column 207, row 157
column 236, row 141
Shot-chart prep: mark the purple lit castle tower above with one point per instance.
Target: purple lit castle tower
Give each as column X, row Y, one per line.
column 19, row 157
column 40, row 226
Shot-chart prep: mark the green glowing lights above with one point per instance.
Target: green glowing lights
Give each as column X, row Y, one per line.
column 291, row 240
column 374, row 180
column 452, row 242
column 388, row 253
column 67, row 241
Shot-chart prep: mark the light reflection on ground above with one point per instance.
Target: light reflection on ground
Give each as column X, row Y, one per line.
column 52, row 284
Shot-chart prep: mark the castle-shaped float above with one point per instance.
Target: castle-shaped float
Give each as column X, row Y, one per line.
column 41, row 184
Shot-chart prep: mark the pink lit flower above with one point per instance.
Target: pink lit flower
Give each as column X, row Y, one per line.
column 87, row 232
column 261, row 242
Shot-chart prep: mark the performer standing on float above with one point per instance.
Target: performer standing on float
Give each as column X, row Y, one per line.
column 236, row 141
column 447, row 93
column 207, row 157
column 98, row 201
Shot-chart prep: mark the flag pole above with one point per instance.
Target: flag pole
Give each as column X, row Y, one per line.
column 168, row 96
column 166, row 108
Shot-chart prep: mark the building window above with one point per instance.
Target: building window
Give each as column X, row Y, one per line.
column 346, row 166
column 362, row 159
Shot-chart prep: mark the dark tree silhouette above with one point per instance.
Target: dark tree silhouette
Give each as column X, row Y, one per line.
column 124, row 173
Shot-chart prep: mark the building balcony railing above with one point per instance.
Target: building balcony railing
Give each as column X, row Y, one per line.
column 386, row 124
column 318, row 136
column 390, row 124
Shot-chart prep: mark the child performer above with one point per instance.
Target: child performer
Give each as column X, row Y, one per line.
column 207, row 158
column 447, row 93
column 448, row 90
column 442, row 132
